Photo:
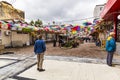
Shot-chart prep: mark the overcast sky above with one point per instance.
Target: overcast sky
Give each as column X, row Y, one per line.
column 56, row 10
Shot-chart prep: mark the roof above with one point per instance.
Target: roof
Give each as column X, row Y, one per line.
column 111, row 8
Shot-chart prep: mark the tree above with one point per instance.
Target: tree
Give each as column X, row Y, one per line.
column 38, row 23
column 32, row 23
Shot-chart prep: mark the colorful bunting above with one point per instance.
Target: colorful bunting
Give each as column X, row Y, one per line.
column 66, row 29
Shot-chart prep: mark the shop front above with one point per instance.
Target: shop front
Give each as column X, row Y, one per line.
column 118, row 31
column 110, row 13
column 103, row 29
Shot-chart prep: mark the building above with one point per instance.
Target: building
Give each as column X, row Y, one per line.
column 8, row 12
column 10, row 37
column 99, row 34
column 110, row 13
column 97, row 10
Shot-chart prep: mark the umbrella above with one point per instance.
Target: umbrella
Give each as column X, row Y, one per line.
column 87, row 23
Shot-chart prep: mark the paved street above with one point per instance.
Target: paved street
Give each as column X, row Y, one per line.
column 78, row 40
column 22, row 66
column 62, row 70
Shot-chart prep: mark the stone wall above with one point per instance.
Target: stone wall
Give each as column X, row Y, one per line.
column 20, row 39
column 6, row 39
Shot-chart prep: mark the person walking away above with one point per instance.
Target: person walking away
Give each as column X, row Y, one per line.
column 54, row 41
column 110, row 48
column 98, row 42
column 39, row 49
column 60, row 41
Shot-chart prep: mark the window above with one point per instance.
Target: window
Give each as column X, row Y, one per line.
column 101, row 8
column 118, row 31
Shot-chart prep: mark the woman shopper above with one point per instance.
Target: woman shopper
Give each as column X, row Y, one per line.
column 39, row 49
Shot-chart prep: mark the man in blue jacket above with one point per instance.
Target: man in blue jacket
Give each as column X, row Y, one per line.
column 39, row 49
column 110, row 48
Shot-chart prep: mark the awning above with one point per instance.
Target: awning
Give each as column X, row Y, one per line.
column 111, row 7
column 103, row 24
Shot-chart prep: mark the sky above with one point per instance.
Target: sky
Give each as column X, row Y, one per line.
column 60, row 11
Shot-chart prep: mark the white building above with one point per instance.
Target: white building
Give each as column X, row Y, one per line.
column 97, row 10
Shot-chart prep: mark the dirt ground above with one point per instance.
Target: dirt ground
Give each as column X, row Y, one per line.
column 86, row 50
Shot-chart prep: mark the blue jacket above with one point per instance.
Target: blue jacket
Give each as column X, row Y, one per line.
column 39, row 46
column 110, row 44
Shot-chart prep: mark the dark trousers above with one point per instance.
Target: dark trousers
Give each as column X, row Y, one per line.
column 54, row 43
column 109, row 58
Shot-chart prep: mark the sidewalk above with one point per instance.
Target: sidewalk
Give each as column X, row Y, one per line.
column 64, row 70
column 87, row 62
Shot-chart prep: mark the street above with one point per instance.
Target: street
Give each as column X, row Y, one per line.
column 24, row 58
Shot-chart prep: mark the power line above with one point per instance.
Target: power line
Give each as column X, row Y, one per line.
column 78, row 20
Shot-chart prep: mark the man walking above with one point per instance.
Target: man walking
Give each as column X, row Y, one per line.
column 39, row 49
column 110, row 48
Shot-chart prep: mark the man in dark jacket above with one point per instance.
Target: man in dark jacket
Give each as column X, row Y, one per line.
column 110, row 48
column 39, row 49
